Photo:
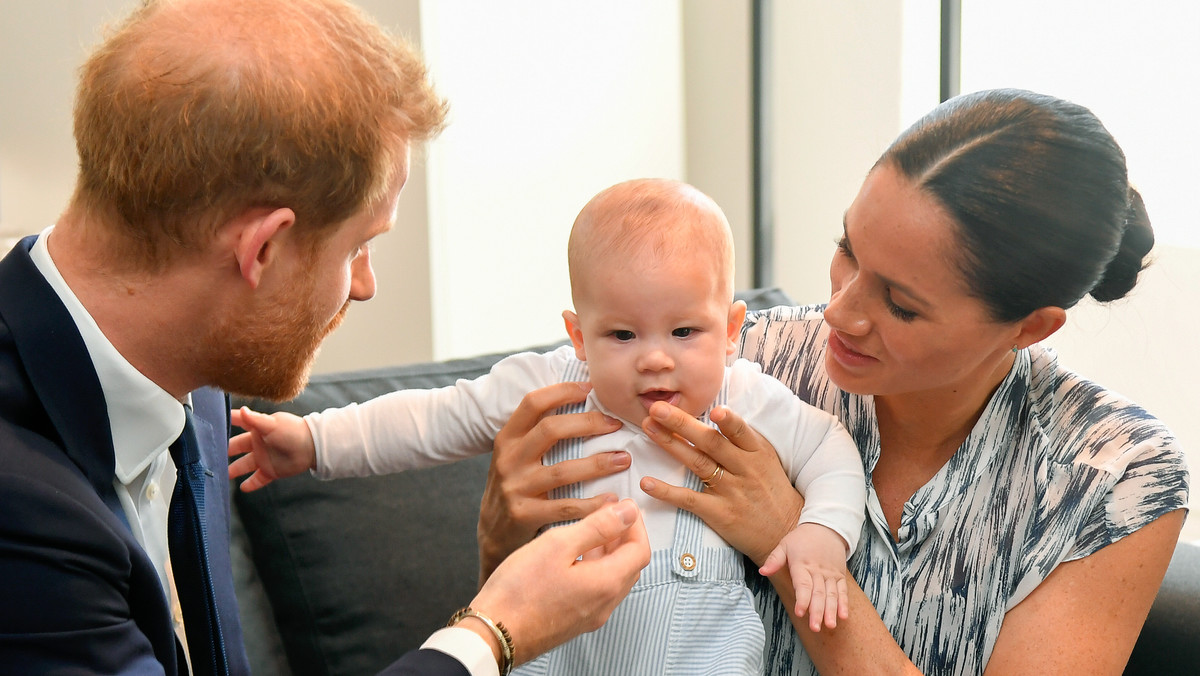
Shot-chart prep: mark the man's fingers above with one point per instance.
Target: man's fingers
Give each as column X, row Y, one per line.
column 600, row 527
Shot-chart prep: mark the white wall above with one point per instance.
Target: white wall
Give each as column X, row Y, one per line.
column 551, row 102
column 836, row 106
column 717, row 91
column 42, row 42
column 394, row 327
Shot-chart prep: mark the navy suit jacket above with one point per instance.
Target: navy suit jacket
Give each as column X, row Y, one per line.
column 76, row 589
column 77, row 592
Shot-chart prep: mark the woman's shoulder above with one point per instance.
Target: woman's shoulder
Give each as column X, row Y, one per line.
column 783, row 315
column 1084, row 422
column 1116, row 452
column 784, row 330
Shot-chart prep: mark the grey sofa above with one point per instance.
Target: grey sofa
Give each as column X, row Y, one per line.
column 342, row 577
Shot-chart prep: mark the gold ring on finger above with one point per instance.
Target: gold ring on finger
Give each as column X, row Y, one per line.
column 714, row 478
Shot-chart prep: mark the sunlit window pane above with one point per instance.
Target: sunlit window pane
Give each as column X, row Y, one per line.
column 1135, row 64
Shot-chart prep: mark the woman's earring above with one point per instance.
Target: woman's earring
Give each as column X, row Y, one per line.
column 1014, row 349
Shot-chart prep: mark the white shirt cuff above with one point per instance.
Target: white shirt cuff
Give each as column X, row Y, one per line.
column 467, row 647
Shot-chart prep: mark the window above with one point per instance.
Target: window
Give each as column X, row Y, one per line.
column 1132, row 63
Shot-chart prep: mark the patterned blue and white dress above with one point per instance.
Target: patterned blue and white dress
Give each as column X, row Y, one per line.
column 1056, row 468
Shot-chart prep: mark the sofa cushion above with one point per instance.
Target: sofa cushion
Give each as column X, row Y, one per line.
column 1170, row 640
column 359, row 571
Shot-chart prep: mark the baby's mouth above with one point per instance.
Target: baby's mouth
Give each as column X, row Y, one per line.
column 651, row 396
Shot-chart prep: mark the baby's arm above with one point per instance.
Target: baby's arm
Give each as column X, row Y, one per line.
column 834, row 489
column 816, row 561
column 272, row 447
column 410, row 429
column 823, row 463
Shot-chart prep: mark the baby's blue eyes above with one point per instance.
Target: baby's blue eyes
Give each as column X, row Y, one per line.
column 623, row 336
column 682, row 333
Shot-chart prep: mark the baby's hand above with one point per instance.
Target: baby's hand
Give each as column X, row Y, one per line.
column 273, row 447
column 816, row 559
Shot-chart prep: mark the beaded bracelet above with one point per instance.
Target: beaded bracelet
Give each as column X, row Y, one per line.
column 507, row 649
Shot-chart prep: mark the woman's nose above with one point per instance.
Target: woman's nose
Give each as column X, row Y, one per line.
column 844, row 311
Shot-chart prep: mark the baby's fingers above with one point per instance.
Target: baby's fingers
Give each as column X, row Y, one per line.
column 805, row 596
column 253, row 421
column 843, row 597
column 775, row 562
column 816, row 603
column 242, row 466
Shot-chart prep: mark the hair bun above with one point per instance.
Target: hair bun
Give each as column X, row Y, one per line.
column 1137, row 239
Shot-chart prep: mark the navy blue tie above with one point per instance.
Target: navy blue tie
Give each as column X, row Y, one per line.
column 188, row 544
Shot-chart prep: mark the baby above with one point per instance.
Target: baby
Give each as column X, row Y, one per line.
column 651, row 268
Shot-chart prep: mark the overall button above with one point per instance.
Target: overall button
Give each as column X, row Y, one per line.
column 687, row 561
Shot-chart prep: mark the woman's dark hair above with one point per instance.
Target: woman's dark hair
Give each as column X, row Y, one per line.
column 1039, row 189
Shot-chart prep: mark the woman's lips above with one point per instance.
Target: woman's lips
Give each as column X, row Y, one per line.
column 846, row 355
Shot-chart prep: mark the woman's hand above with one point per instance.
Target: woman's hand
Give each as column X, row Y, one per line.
column 751, row 503
column 514, row 502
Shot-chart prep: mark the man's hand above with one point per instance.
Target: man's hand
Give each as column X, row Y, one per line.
column 567, row 581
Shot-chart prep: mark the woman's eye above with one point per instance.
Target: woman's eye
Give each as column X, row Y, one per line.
column 903, row 314
column 623, row 336
column 683, row 332
column 843, row 247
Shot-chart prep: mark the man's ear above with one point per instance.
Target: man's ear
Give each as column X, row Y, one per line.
column 575, row 331
column 1039, row 325
column 737, row 317
column 258, row 242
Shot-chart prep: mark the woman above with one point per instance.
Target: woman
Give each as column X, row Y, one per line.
column 1020, row 518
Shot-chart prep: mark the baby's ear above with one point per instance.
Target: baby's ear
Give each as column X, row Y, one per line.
column 737, row 316
column 575, row 331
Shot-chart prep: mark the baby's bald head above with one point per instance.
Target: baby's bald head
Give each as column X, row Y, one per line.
column 643, row 222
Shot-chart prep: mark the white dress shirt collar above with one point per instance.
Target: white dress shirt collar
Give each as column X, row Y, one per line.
column 144, row 418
